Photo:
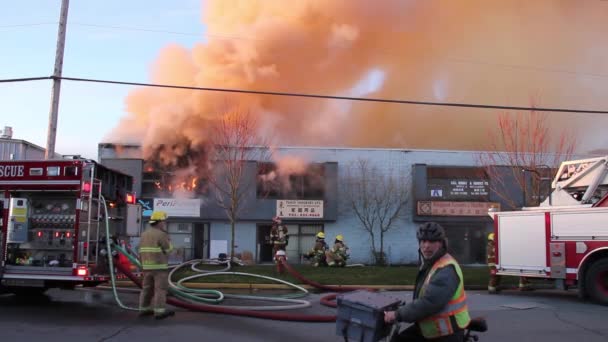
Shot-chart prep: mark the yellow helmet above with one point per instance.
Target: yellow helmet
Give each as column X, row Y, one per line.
column 491, row 236
column 340, row 238
column 320, row 235
column 158, row 216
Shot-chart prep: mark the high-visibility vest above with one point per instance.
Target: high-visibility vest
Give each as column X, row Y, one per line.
column 440, row 324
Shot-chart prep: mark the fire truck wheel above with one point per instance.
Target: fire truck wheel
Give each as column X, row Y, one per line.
column 597, row 281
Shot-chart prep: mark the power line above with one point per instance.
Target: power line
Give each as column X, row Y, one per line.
column 27, row 25
column 123, row 28
column 318, row 96
column 14, row 80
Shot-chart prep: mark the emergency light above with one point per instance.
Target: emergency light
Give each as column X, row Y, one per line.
column 86, row 187
column 130, row 198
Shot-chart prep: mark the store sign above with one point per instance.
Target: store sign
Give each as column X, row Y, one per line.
column 178, row 207
column 147, row 206
column 458, row 188
column 447, row 208
column 300, row 208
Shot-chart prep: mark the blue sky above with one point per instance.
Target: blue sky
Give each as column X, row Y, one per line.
column 88, row 111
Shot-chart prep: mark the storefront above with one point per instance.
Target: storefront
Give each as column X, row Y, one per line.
column 459, row 199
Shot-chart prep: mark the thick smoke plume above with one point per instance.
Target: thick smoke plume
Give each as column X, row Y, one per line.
column 466, row 51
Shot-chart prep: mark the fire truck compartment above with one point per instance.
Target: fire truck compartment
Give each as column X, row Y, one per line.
column 580, row 225
column 522, row 247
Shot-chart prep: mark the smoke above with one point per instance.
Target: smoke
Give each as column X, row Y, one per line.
column 468, row 51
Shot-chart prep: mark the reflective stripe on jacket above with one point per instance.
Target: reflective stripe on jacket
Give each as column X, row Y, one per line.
column 440, row 324
column 491, row 250
column 154, row 249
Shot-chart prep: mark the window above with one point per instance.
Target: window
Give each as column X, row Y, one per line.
column 70, row 171
column 53, row 171
column 36, row 171
column 307, row 185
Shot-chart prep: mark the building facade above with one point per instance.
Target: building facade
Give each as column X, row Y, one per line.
column 444, row 186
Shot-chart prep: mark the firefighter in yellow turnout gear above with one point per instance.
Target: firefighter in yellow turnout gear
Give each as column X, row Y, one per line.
column 337, row 255
column 317, row 253
column 154, row 249
column 279, row 237
column 494, row 283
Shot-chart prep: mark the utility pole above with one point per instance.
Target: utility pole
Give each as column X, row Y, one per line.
column 52, row 130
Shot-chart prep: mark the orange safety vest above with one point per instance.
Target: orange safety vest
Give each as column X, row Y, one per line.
column 440, row 324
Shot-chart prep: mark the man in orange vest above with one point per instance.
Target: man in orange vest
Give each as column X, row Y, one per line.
column 439, row 308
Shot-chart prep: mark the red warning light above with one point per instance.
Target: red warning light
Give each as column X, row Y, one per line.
column 86, row 187
column 68, row 235
column 39, row 234
column 56, row 234
column 130, row 199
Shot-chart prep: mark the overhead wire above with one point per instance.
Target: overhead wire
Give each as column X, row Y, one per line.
column 311, row 95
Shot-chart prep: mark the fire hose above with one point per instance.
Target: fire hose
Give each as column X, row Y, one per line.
column 180, row 298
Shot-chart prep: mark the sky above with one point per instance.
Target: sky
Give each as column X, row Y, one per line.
column 28, row 35
column 550, row 52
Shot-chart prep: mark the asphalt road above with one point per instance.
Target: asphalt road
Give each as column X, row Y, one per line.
column 92, row 315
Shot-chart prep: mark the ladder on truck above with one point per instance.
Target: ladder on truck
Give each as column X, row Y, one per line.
column 92, row 220
column 579, row 182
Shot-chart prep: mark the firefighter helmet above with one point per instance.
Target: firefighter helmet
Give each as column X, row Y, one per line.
column 491, row 237
column 158, row 216
column 340, row 238
column 320, row 235
column 430, row 231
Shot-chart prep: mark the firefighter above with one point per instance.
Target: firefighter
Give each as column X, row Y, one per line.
column 494, row 283
column 336, row 256
column 154, row 249
column 279, row 237
column 439, row 307
column 317, row 253
column 491, row 259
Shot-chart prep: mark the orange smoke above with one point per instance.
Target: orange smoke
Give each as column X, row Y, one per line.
column 467, row 51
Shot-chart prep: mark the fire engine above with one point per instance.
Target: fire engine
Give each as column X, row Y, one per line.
column 565, row 239
column 52, row 220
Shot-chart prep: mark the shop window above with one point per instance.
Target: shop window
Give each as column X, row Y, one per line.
column 307, row 185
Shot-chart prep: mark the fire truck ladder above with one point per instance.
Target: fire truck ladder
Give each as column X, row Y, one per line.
column 93, row 221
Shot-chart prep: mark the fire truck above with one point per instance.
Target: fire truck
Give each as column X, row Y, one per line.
column 53, row 222
column 565, row 239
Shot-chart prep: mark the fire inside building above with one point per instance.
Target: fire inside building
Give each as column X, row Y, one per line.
column 444, row 186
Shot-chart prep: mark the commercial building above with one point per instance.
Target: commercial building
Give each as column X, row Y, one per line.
column 444, row 186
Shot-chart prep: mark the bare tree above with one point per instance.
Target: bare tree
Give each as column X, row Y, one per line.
column 235, row 141
column 378, row 198
column 530, row 150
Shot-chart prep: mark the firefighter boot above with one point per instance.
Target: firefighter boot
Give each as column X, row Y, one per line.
column 145, row 313
column 165, row 314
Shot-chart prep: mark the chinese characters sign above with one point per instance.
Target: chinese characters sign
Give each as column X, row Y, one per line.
column 445, row 208
column 300, row 208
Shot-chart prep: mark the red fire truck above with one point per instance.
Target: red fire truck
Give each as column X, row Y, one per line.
column 53, row 222
column 565, row 239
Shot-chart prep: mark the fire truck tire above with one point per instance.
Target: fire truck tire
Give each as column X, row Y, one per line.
column 596, row 281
